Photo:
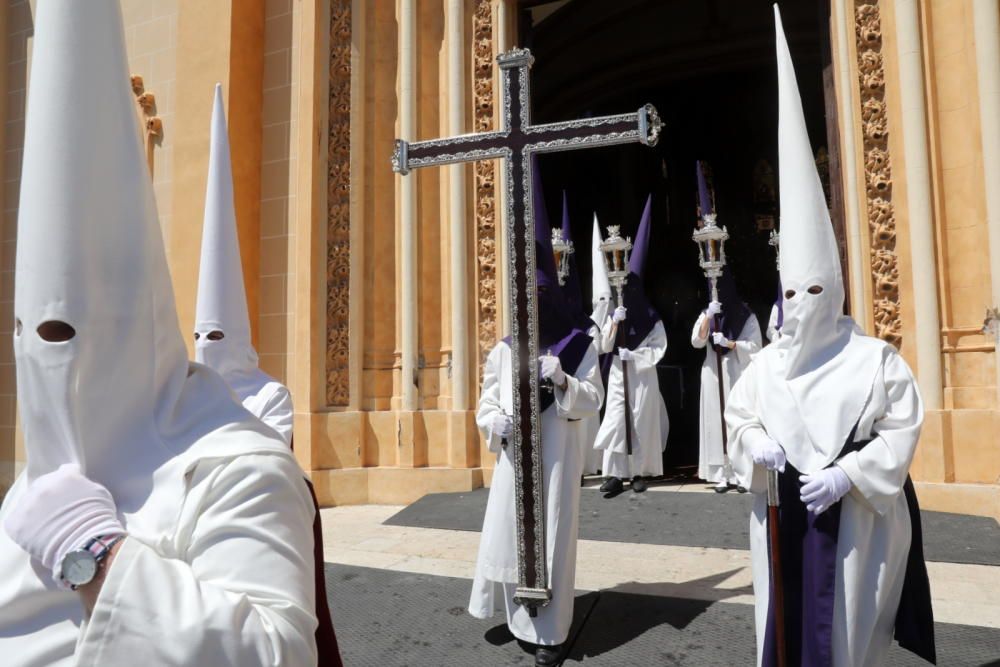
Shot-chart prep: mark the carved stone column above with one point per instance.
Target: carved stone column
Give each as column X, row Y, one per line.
column 486, row 228
column 338, row 233
column 878, row 172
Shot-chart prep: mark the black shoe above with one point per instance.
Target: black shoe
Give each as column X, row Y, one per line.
column 639, row 484
column 721, row 487
column 547, row 655
column 741, row 489
column 612, row 485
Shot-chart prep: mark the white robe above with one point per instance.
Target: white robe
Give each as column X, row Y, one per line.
column 772, row 324
column 649, row 412
column 875, row 532
column 589, row 426
column 184, row 588
column 561, row 456
column 265, row 398
column 710, row 457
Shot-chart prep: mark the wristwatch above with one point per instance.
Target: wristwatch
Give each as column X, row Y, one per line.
column 79, row 567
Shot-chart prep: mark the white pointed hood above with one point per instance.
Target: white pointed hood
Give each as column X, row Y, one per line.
column 820, row 372
column 600, row 287
column 102, row 372
column 222, row 303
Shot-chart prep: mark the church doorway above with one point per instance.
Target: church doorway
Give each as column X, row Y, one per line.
column 709, row 68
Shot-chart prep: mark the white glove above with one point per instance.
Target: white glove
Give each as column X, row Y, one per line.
column 552, row 369
column 58, row 513
column 823, row 489
column 765, row 451
column 714, row 308
column 626, row 354
column 502, row 425
column 619, row 314
column 720, row 339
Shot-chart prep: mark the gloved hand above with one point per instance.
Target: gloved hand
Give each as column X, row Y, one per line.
column 503, row 425
column 720, row 339
column 58, row 513
column 714, row 308
column 625, row 354
column 765, row 451
column 619, row 314
column 824, row 488
column 552, row 369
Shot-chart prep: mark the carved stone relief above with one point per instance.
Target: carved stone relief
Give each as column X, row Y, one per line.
column 878, row 172
column 338, row 244
column 485, row 202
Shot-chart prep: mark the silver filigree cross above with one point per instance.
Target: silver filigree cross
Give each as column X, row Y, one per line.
column 516, row 141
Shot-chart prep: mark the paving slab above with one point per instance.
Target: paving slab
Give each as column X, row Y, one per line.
column 695, row 520
column 388, row 618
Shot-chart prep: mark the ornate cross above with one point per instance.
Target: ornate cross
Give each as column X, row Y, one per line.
column 515, row 142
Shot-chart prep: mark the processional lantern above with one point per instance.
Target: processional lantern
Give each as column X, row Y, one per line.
column 562, row 248
column 711, row 240
column 616, row 251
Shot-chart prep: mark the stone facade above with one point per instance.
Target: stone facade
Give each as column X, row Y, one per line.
column 314, row 94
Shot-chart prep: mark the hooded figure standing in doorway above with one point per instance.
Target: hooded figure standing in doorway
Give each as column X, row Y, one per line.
column 736, row 340
column 569, row 361
column 156, row 521
column 838, row 413
column 222, row 338
column 644, row 346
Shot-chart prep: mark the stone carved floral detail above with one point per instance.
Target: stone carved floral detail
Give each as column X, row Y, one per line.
column 485, row 187
column 338, row 256
column 878, row 172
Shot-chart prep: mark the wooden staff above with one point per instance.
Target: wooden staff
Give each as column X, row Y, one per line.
column 619, row 335
column 774, row 541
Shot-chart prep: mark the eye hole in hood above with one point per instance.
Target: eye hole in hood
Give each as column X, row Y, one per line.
column 55, row 331
column 815, row 289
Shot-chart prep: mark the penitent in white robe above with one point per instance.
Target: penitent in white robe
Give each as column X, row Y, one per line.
column 561, row 456
column 265, row 398
column 649, row 412
column 772, row 324
column 711, row 462
column 875, row 529
column 184, row 589
column 591, row 459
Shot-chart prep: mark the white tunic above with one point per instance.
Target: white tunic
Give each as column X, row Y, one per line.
column 265, row 398
column 710, row 458
column 875, row 531
column 217, row 570
column 561, row 455
column 772, row 324
column 591, row 460
column 649, row 412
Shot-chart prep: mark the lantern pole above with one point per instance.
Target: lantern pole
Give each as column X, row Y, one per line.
column 616, row 252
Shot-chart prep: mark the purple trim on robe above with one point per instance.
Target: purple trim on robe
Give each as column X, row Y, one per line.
column 780, row 303
column 809, row 562
column 571, row 350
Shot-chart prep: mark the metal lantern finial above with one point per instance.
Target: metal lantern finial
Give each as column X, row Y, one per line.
column 774, row 240
column 562, row 248
column 616, row 253
column 711, row 240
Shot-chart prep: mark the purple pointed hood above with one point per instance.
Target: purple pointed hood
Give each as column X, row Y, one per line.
column 642, row 317
column 558, row 332
column 571, row 290
column 704, row 198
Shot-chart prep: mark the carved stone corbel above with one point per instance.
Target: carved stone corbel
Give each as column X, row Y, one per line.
column 151, row 124
column 485, row 191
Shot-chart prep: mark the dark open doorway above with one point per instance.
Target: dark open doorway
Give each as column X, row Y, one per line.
column 708, row 66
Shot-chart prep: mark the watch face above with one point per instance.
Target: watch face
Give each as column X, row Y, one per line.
column 79, row 567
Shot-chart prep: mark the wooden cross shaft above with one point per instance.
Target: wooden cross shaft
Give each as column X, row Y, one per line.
column 516, row 142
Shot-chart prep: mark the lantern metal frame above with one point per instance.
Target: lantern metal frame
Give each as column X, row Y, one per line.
column 615, row 250
column 562, row 248
column 774, row 240
column 711, row 240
